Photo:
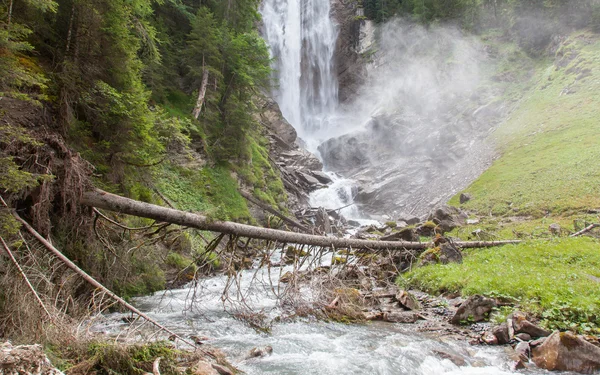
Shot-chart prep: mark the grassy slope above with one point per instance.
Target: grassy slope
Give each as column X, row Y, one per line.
column 550, row 143
column 548, row 173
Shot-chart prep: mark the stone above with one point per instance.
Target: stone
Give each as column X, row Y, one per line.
column 501, row 333
column 464, row 198
column 522, row 349
column 400, row 317
column 555, row 229
column 537, row 342
column 308, row 179
column 475, row 309
column 454, row 358
column 489, row 338
column 404, row 234
column 450, row 254
column 260, row 351
column 522, row 325
column 203, row 368
column 472, row 221
column 445, row 226
column 516, row 362
column 564, row 351
column 407, row 300
column 322, row 177
column 523, row 336
column 222, row 370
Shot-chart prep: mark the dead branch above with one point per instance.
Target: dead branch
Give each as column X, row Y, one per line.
column 93, row 281
column 275, row 212
column 101, row 199
column 36, row 295
column 121, row 225
column 585, row 230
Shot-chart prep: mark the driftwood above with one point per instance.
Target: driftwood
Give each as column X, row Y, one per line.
column 101, row 199
column 273, row 211
column 93, row 281
column 585, row 230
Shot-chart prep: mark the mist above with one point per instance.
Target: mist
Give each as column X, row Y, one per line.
column 413, row 133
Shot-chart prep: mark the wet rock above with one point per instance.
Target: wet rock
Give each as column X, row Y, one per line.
column 25, row 359
column 523, row 336
column 322, row 177
column 353, row 223
column 564, row 351
column 312, row 181
column 222, row 370
column 464, row 198
column 453, row 357
column 522, row 349
column 260, row 351
column 400, row 317
column 489, row 338
column 517, row 362
column 407, row 300
column 501, row 333
column 404, row 234
column 302, row 159
column 203, row 368
column 474, row 309
column 537, row 342
column 522, row 325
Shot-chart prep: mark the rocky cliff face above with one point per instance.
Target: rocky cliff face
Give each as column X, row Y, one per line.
column 421, row 112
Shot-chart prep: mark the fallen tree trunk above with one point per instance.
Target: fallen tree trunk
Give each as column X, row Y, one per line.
column 101, row 199
column 585, row 230
column 273, row 211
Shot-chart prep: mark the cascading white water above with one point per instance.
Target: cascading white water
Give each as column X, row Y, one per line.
column 302, row 39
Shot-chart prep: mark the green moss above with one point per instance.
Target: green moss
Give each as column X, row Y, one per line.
column 552, row 279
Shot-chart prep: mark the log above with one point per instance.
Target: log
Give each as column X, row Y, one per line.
column 585, row 230
column 273, row 211
column 101, row 199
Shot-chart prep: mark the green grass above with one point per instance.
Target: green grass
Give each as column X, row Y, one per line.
column 211, row 191
column 553, row 279
column 549, row 145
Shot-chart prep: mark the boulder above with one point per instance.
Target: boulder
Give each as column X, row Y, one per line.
column 407, row 300
column 404, row 234
column 312, row 181
column 400, row 317
column 523, row 336
column 203, row 368
column 489, row 338
column 260, row 352
column 453, row 357
column 522, row 349
column 501, row 333
column 409, row 219
column 449, row 253
column 522, row 325
column 464, row 198
column 564, row 351
column 322, row 220
column 475, row 309
column 322, row 177
column 554, row 229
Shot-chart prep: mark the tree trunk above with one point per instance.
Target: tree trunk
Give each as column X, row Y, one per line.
column 10, row 7
column 101, row 199
column 70, row 32
column 202, row 93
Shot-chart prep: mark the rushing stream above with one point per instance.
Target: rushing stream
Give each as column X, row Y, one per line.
column 307, row 346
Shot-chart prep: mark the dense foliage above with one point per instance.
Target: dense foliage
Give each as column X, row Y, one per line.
column 477, row 14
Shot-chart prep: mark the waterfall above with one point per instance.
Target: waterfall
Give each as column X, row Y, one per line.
column 302, row 39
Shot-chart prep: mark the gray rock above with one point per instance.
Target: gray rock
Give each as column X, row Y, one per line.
column 322, row 220
column 453, row 357
column 322, row 177
column 400, row 317
column 523, row 336
column 564, row 351
column 472, row 221
column 501, row 333
column 260, row 351
column 222, row 370
column 407, row 300
column 522, row 349
column 405, row 234
column 464, row 198
column 555, row 229
column 475, row 309
column 308, row 179
column 450, row 254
